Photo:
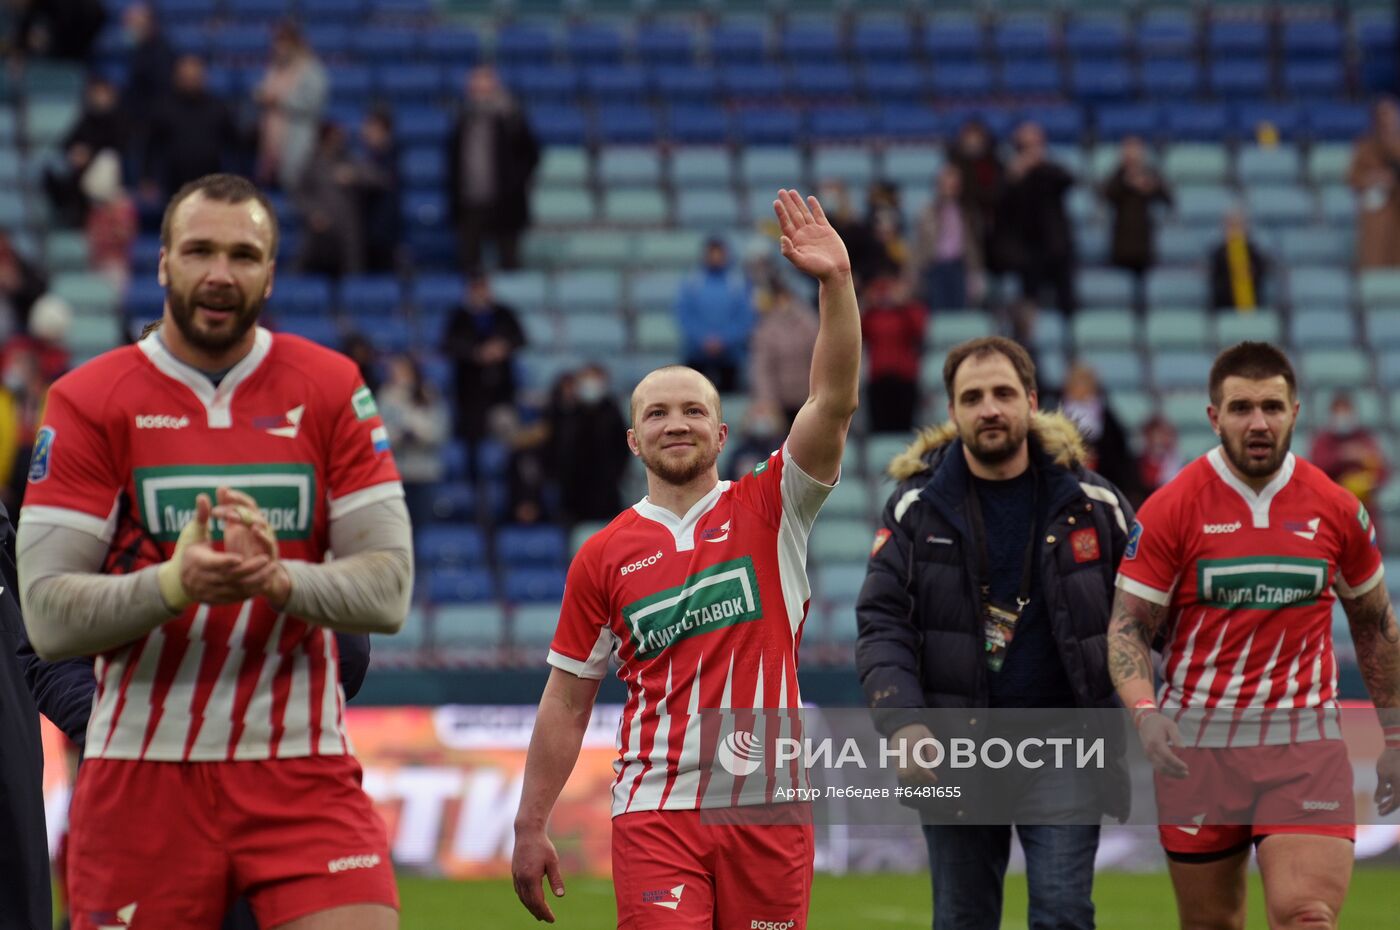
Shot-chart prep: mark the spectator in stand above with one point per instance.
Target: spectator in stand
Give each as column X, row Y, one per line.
column 292, row 97
column 1160, row 459
column 65, row 29
column 1132, row 191
column 47, row 338
column 531, row 470
column 780, row 354
column 363, row 353
column 21, row 283
column 491, row 157
column 329, row 205
column 1107, row 453
column 416, row 419
column 947, row 264
column 714, row 309
column 885, row 220
column 1375, row 176
column 860, row 241
column 481, row 338
column 1237, row 268
column 892, row 328
column 1032, row 232
column 111, row 219
column 974, row 154
column 150, row 64
column 101, row 125
column 192, row 134
column 759, row 433
column 22, row 393
column 376, row 182
column 1351, row 455
column 590, row 449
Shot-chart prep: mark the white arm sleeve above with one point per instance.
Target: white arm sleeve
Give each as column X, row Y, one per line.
column 70, row 609
column 368, row 587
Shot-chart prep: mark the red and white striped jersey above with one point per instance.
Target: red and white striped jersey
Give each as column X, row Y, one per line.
column 1250, row 579
column 702, row 612
column 128, row 442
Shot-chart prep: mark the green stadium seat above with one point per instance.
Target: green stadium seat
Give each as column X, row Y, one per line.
column 850, row 499
column 627, row 165
column 1133, row 408
column 839, row 582
column 1181, row 245
column 1319, row 328
column 532, row 626
column 472, row 626
column 1311, row 246
column 881, row 449
column 839, row 540
column 66, row 250
column 1383, row 330
column 1336, row 368
column 1370, row 409
column 1280, row 204
column 408, row 639
column 914, row 165
column 1337, row 204
column 703, row 166
column 1117, row 369
column 733, row 408
column 1195, row 163
column 1177, row 329
column 1388, row 374
column 90, row 293
column 591, row 291
column 852, row 164
column 948, row 328
column 598, row 335
column 674, row 248
column 1105, row 287
column 1099, row 328
column 565, row 166
column 654, row 290
column 1273, row 165
column 635, row 207
column 1180, row 370
column 1184, row 287
column 1311, row 287
column 1196, row 443
column 1329, row 163
column 770, row 169
column 10, row 165
column 598, row 248
column 708, row 208
column 526, row 290
column 11, row 209
column 47, row 121
column 1049, row 330
column 1380, row 288
column 1255, row 326
column 1203, row 204
column 658, row 332
column 91, row 334
column 1186, row 409
column 1103, row 161
column 563, row 206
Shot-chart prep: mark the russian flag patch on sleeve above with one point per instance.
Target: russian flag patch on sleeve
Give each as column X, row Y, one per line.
column 380, row 437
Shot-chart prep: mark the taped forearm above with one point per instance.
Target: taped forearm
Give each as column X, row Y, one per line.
column 69, row 610
column 368, row 586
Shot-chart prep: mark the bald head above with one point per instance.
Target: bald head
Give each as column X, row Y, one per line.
column 675, row 382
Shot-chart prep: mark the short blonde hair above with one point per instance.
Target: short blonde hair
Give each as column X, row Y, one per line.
column 636, row 391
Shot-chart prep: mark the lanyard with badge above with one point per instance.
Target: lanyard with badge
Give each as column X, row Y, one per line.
column 998, row 622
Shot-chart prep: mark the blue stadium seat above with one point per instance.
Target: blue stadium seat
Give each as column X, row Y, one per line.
column 1170, row 78
column 385, row 44
column 240, row 41
column 953, row 39
column 454, row 46
column 450, row 545
column 1314, row 78
column 697, row 125
column 424, row 208
column 734, row 42
column 1311, row 38
column 1117, row 121
column 878, row 40
column 540, row 545
column 962, row 80
column 631, row 125
column 906, row 122
column 524, row 43
column 1286, row 118
column 1108, row 79
column 329, row 39
column 526, row 290
column 811, row 41
column 1024, row 37
column 1099, row 36
column 616, row 84
column 664, row 44
column 1197, row 121
column 687, row 84
column 362, row 295
column 317, row 11
column 533, row 585
column 832, row 79
column 319, row 328
column 351, row 83
column 1335, row 121
column 559, row 125
column 1231, row 38
column 753, row 82
column 848, row 124
column 1166, row 33
column 423, row 166
column 437, row 293
column 1232, row 78
column 768, row 126
column 1033, row 77
column 544, row 83
column 588, row 291
column 461, row 586
column 305, row 294
column 421, row 125
column 593, row 43
column 883, row 81
column 475, row 626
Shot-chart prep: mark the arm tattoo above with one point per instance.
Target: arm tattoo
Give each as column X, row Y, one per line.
column 1377, row 637
column 1130, row 632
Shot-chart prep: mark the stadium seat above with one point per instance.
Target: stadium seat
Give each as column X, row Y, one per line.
column 635, row 206
column 1034, row 77
column 591, row 43
column 1180, row 370
column 737, row 43
column 1196, row 121
column 850, row 499
column 1166, row 32
column 1277, row 164
column 948, row 328
column 1314, row 78
column 1333, row 121
column 1103, row 287
column 600, row 335
column 1170, row 79
column 563, row 167
column 1380, row 288
column 664, row 44
column 839, row 540
column 595, row 248
column 704, row 166
column 1329, row 163
column 658, row 332
column 769, row 126
column 525, row 43
column 563, row 206
column 912, row 164
column 1336, row 368
column 1102, row 80
column 1105, row 328
column 1098, row 36
column 771, row 168
column 1311, row 38
column 538, row 545
column 839, row 581
column 819, row 83
column 450, row 544
column 853, row 165
column 707, row 207
column 698, row 125
column 655, row 290
column 670, row 248
column 532, row 626
column 1177, row 329
column 1176, row 287
column 1280, row 204
column 1313, row 287
column 883, row 40
column 1203, row 203
column 1309, row 246
column 962, row 80
column 905, row 82
column 522, row 585
column 1322, row 328
column 1383, row 328
column 472, row 626
column 460, row 586
column 629, row 165
column 1117, row 121
column 1388, row 372
column 1116, row 369
column 953, row 38
column 1255, row 326
column 1337, row 205
column 588, row 291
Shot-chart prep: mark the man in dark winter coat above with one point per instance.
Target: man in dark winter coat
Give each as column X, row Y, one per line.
column 989, row 588
column 491, row 157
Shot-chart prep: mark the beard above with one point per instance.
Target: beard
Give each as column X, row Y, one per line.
column 228, row 332
column 1237, row 451
column 681, row 471
column 991, row 450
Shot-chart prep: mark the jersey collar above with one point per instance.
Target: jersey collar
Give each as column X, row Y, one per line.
column 682, row 528
column 217, row 401
column 1258, row 503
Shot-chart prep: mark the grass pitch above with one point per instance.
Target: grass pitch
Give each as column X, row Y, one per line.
column 873, row 902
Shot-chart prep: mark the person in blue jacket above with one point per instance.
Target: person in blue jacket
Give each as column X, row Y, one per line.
column 715, row 314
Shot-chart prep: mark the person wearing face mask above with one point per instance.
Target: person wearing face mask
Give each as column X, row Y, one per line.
column 1351, row 455
column 589, row 461
column 491, row 157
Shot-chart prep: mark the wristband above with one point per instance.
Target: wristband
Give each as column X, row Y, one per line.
column 1142, row 709
column 1392, row 737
